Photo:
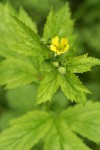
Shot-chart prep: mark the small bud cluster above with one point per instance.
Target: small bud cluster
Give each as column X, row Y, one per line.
column 61, row 69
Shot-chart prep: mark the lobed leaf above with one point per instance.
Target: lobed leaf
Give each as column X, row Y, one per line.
column 15, row 73
column 20, row 36
column 60, row 137
column 25, row 18
column 81, row 64
column 60, row 24
column 29, row 43
column 7, row 29
column 84, row 120
column 26, row 131
column 73, row 88
column 48, row 87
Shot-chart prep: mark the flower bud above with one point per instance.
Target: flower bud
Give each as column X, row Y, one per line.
column 62, row 70
column 55, row 64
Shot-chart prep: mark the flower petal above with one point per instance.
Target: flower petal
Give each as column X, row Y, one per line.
column 55, row 41
column 53, row 48
column 64, row 41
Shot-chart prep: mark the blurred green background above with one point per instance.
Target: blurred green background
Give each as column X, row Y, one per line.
column 86, row 14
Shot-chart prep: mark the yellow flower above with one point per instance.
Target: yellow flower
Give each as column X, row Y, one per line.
column 59, row 47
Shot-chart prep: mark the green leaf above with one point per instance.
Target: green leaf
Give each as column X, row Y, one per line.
column 22, row 36
column 48, row 87
column 25, row 18
column 26, row 131
column 57, row 130
column 73, row 88
column 29, row 43
column 49, row 29
column 81, row 64
column 15, row 73
column 70, row 85
column 84, row 120
column 60, row 24
column 60, row 137
column 7, row 29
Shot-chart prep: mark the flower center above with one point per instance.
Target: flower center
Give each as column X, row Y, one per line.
column 60, row 47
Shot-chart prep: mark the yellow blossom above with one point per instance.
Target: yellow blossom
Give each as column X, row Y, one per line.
column 59, row 47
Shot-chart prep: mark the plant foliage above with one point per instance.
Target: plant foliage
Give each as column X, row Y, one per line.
column 28, row 59
column 25, row 46
column 27, row 130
